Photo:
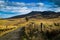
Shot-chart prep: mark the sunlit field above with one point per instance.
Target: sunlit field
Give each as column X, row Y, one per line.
column 42, row 25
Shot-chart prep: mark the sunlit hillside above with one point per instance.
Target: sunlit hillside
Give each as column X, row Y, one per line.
column 29, row 25
column 20, row 22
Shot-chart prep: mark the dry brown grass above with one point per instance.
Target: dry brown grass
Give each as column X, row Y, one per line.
column 20, row 22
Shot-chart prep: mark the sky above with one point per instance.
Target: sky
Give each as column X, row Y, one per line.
column 10, row 8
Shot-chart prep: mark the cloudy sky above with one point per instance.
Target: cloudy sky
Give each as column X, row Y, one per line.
column 9, row 8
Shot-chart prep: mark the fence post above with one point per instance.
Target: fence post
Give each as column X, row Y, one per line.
column 41, row 26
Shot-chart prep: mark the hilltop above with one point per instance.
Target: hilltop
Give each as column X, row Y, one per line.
column 38, row 14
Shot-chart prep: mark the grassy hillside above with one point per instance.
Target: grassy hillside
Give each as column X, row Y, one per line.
column 32, row 26
column 7, row 25
column 48, row 29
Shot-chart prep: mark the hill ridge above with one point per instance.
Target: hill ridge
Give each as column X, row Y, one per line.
column 45, row 14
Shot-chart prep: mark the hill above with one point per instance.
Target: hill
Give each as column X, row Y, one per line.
column 40, row 26
column 38, row 14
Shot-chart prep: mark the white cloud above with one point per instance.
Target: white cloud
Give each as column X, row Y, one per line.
column 23, row 8
column 41, row 4
column 19, row 8
column 1, row 2
column 16, row 7
column 57, row 9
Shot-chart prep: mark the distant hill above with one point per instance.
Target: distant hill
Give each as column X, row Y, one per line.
column 38, row 14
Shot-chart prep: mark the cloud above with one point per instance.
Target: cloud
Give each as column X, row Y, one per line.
column 11, row 8
column 57, row 2
column 1, row 1
column 57, row 9
column 19, row 8
column 41, row 4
